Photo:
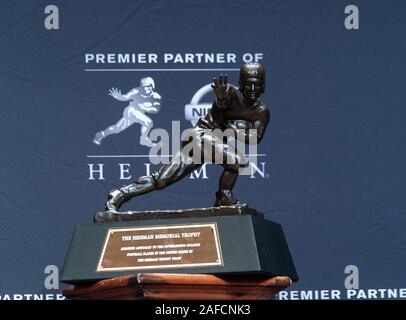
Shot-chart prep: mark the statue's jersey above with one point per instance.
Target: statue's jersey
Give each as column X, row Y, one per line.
column 235, row 108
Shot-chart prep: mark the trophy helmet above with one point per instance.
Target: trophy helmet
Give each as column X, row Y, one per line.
column 252, row 70
column 252, row 80
column 148, row 81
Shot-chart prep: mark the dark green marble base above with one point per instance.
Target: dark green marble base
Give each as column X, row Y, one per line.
column 249, row 244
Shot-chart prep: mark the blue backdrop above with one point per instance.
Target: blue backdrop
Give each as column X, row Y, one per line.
column 331, row 168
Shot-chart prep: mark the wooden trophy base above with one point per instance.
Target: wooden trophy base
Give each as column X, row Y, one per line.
column 164, row 286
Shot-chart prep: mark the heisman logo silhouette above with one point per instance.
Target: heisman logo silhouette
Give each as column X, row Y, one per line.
column 143, row 99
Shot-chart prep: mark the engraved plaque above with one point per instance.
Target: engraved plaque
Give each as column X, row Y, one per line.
column 161, row 247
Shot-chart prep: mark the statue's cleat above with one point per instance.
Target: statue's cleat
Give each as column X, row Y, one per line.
column 225, row 198
column 115, row 199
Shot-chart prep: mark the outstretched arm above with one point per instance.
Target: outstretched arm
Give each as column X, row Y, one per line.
column 116, row 94
column 221, row 90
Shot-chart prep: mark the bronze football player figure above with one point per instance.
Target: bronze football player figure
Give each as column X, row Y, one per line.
column 234, row 108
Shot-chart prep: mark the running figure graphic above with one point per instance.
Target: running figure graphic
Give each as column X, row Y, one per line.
column 143, row 99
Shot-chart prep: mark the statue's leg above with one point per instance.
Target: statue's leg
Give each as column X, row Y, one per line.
column 228, row 177
column 233, row 160
column 165, row 176
column 117, row 197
